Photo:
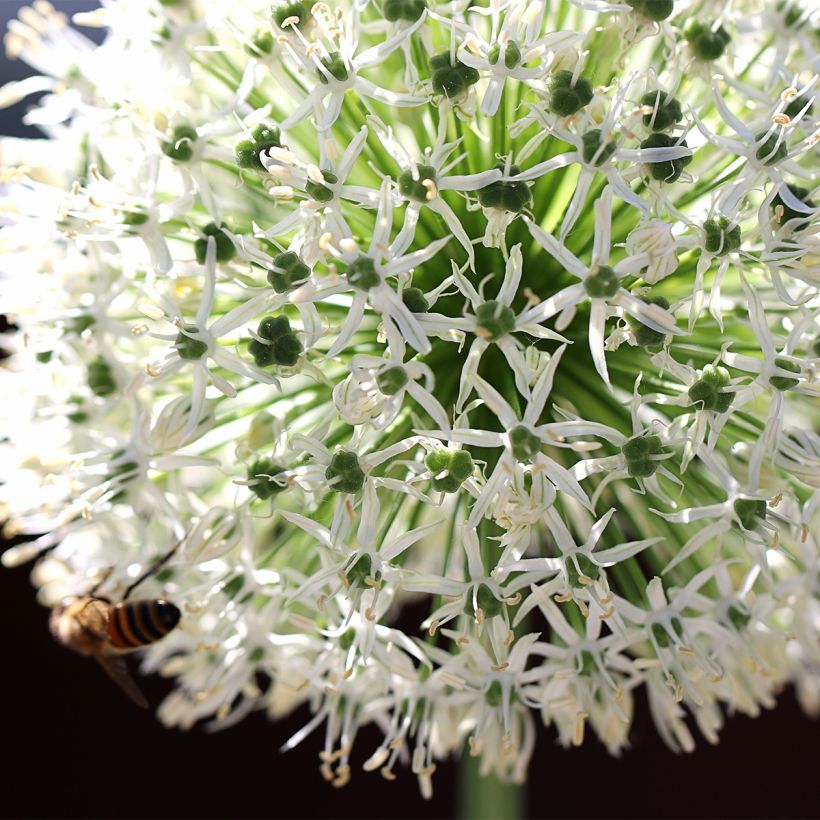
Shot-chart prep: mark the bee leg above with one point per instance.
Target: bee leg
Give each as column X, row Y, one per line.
column 92, row 593
column 154, row 568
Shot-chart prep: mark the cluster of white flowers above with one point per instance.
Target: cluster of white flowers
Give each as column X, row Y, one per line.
column 467, row 353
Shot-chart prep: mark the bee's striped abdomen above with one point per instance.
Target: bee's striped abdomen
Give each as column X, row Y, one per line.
column 137, row 623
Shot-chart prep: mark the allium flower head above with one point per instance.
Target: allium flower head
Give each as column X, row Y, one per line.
column 507, row 311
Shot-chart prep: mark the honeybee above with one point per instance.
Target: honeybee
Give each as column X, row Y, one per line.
column 95, row 627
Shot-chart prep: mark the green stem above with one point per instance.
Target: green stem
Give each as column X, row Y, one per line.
column 487, row 798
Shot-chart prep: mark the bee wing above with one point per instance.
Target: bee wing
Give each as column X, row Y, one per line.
column 116, row 669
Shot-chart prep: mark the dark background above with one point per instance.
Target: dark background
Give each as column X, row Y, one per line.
column 73, row 746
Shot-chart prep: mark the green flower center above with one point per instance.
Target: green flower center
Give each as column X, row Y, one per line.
column 649, row 339
column 409, row 10
column 603, row 284
column 260, row 484
column 281, row 346
column 667, row 170
column 506, row 196
column 784, row 213
column 289, row 271
column 414, row 300
column 285, row 11
column 666, row 110
column 100, row 378
column 643, row 455
column 784, row 383
column 263, row 138
column 334, row 65
column 413, row 187
column 656, row 10
column 189, row 348
column 773, row 149
column 512, row 54
column 319, row 192
column 524, row 443
column 344, row 467
column 362, row 273
column 450, row 468
column 722, row 236
column 494, row 320
column 565, row 98
column 709, row 391
column 486, row 601
column 451, row 78
column 588, row 569
column 392, row 379
column 260, row 43
column 225, row 250
column 595, row 152
column 706, row 44
column 750, row 511
column 180, row 146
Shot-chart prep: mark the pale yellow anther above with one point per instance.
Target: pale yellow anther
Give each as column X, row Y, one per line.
column 370, row 614
column 433, row 628
column 153, row 371
column 509, row 638
column 776, row 500
column 781, row 119
column 342, row 777
column 479, row 616
column 578, row 734
column 462, row 640
column 293, row 20
column 500, row 667
column 788, row 93
column 387, row 774
column 563, row 598
column 685, row 650
column 515, row 600
column 607, row 613
column 432, row 190
column 320, row 603
column 473, row 43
